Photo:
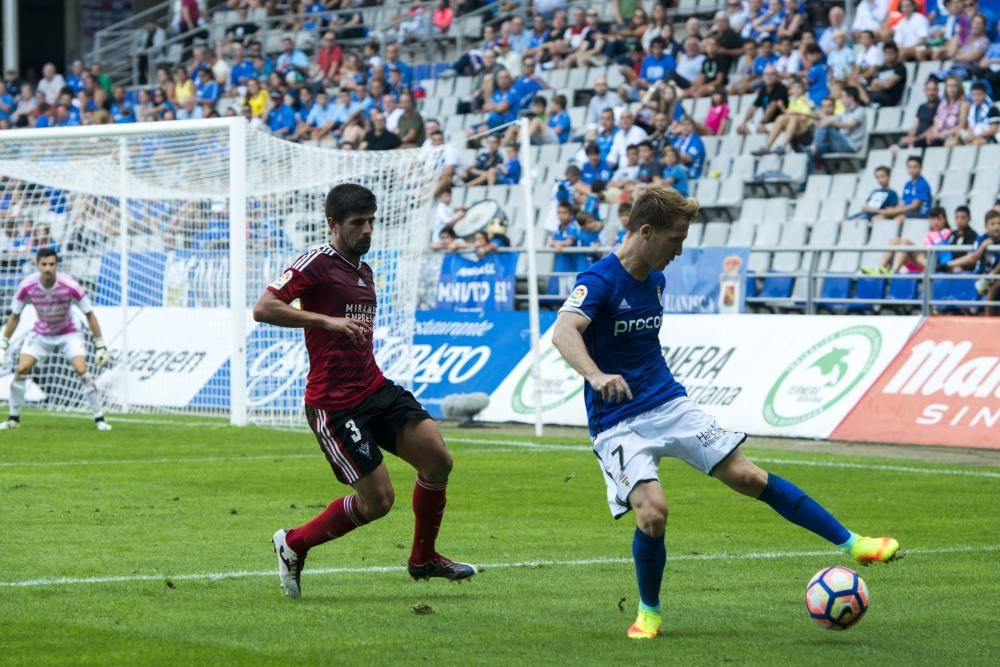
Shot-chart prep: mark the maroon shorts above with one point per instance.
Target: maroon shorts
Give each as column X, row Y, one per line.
column 352, row 439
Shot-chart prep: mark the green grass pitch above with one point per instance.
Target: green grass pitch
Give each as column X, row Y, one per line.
column 174, row 522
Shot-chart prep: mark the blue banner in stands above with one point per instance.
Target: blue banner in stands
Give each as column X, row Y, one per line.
column 706, row 280
column 477, row 285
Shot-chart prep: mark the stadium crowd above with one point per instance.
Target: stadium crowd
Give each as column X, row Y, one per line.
column 815, row 79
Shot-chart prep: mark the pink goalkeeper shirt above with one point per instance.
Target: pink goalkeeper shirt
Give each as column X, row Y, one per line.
column 52, row 305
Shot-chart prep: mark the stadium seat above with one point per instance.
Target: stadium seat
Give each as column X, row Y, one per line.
column 754, row 142
column 741, row 234
column 776, row 210
column 823, row 235
column 888, row 121
column 832, row 209
column 695, row 232
column 843, row 186
column 986, row 183
column 753, row 211
column 730, row 193
column 719, row 166
column 731, row 145
column 743, row 167
column 792, row 236
column 936, row 158
column 914, row 230
column 954, row 183
column 818, row 185
column 715, row 234
column 806, row 210
column 904, row 288
column 988, row 156
column 767, row 236
column 708, row 191
column 711, row 146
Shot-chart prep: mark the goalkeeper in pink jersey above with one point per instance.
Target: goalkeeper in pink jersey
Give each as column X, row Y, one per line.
column 55, row 331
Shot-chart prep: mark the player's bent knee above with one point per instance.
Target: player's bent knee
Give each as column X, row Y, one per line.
column 376, row 505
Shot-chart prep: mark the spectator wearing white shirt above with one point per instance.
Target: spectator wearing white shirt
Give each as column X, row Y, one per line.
column 392, row 112
column 736, row 10
column 788, row 63
column 689, row 63
column 841, row 59
column 911, row 33
column 867, row 59
column 51, row 84
column 837, row 22
column 629, row 134
column 869, row 15
column 628, row 172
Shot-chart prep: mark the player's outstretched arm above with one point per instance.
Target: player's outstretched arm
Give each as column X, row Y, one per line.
column 568, row 339
column 272, row 310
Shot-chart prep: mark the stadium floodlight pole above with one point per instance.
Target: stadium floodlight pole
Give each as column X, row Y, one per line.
column 527, row 185
column 238, row 309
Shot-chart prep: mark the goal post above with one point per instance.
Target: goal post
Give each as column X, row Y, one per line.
column 174, row 229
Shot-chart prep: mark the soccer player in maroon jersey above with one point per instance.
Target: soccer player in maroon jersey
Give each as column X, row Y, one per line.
column 352, row 408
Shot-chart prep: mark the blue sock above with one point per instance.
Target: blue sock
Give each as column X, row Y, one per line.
column 792, row 503
column 650, row 554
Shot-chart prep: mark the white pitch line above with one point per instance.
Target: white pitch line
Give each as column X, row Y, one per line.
column 761, row 459
column 386, row 569
column 501, row 446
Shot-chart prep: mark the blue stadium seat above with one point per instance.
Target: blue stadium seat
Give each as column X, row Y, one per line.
column 904, row 288
column 777, row 287
column 835, row 287
column 867, row 288
column 955, row 290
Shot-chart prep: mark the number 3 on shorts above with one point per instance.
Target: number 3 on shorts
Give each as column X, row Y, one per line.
column 353, row 428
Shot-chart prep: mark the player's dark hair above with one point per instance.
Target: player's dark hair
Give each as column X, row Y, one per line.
column 348, row 198
column 660, row 207
column 46, row 252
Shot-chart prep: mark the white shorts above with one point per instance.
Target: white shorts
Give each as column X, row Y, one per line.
column 70, row 345
column 630, row 451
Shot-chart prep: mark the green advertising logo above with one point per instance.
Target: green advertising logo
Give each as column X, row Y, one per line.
column 822, row 375
column 560, row 384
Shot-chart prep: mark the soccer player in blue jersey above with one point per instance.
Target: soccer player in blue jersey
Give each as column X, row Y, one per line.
column 608, row 331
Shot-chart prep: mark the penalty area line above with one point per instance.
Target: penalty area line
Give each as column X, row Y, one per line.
column 528, row 564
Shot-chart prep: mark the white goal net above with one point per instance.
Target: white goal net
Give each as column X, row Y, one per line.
column 174, row 230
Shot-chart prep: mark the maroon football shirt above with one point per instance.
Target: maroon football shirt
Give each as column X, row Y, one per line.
column 341, row 374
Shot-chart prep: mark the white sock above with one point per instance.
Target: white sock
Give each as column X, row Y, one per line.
column 17, row 387
column 90, row 391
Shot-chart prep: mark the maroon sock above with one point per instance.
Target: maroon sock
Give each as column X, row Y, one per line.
column 340, row 518
column 428, row 508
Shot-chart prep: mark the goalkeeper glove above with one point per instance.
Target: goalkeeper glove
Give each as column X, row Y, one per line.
column 101, row 356
column 4, row 342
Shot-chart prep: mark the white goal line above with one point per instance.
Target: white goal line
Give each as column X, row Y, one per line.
column 529, row 564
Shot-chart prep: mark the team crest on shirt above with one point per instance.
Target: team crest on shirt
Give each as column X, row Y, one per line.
column 282, row 281
column 578, row 296
column 659, row 294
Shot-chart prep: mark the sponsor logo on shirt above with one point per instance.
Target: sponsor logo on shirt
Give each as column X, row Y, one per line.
column 282, row 281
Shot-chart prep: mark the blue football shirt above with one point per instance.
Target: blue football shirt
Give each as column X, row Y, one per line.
column 918, row 189
column 623, row 339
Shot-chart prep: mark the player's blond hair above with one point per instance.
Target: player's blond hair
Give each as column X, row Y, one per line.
column 661, row 206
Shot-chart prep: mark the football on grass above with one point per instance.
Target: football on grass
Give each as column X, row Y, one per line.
column 836, row 597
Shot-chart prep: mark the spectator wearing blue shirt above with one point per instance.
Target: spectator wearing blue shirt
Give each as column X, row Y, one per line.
column 479, row 173
column 344, row 108
column 243, row 68
column 595, row 168
column 674, row 175
column 392, row 60
column 395, row 85
column 6, row 105
column 657, row 65
column 206, row 90
column 291, row 59
column 765, row 56
column 121, row 108
column 75, row 79
column 984, row 261
column 503, row 105
column 588, row 237
column 315, row 7
column 508, row 173
column 530, row 83
column 323, row 118
column 565, row 236
column 817, row 74
column 690, row 148
column 917, row 195
column 649, row 167
column 281, row 119
column 552, row 127
column 606, row 133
